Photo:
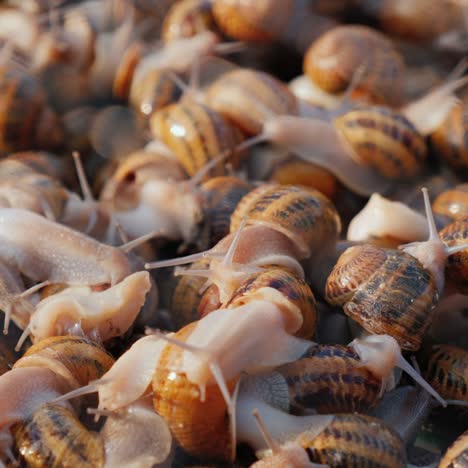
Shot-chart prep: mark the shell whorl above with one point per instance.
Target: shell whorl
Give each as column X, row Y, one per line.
column 386, row 291
column 384, row 140
column 248, row 98
column 305, row 216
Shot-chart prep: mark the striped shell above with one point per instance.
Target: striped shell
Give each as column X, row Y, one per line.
column 456, row 268
column 388, row 292
column 330, row 379
column 28, row 122
column 295, row 292
column 221, row 195
column 384, row 140
column 195, row 134
column 54, row 437
column 447, row 372
column 151, row 90
column 303, row 215
column 333, row 59
column 78, row 360
column 456, row 455
column 187, row 18
column 450, row 140
column 201, row 428
column 248, row 98
column 252, row 20
column 354, row 441
column 453, row 202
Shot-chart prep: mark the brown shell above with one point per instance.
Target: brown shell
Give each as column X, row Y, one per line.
column 195, row 133
column 201, row 428
column 386, row 291
column 54, row 437
column 79, row 360
column 188, row 18
column 456, row 455
column 447, row 372
column 453, row 202
column 27, row 121
column 330, row 379
column 252, row 20
column 450, row 140
column 221, row 195
column 248, row 98
column 354, row 440
column 296, row 171
column 333, row 59
column 304, row 215
column 456, row 269
column 151, row 90
column 293, row 290
column 384, row 140
column 124, row 74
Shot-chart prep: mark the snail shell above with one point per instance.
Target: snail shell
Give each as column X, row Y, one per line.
column 187, row 18
column 305, row 216
column 248, row 98
column 252, row 20
column 386, row 291
column 447, row 372
column 332, row 60
column 296, row 297
column 201, row 428
column 450, row 140
column 195, row 134
column 355, row 440
column 330, row 379
column 29, row 122
column 457, row 454
column 456, row 268
column 453, row 202
column 78, row 360
column 221, row 195
column 54, row 436
column 385, row 140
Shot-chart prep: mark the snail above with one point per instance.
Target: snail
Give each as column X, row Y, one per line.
column 99, row 315
column 366, row 149
column 332, row 59
column 362, row 283
column 48, row 369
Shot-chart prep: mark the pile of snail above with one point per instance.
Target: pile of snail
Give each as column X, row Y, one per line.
column 234, row 233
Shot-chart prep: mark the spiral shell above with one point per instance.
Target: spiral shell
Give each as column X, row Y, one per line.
column 453, row 202
column 221, row 195
column 296, row 298
column 330, row 379
column 252, row 20
column 388, row 292
column 78, row 360
column 187, row 18
column 195, row 134
column 248, row 98
column 54, row 437
column 201, row 428
column 457, row 454
column 303, row 215
column 355, row 440
column 456, row 268
column 332, row 60
column 447, row 372
column 385, row 140
column 450, row 140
